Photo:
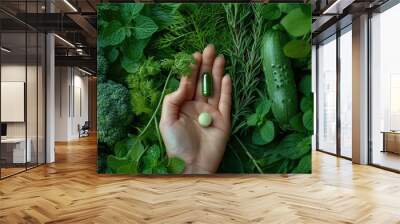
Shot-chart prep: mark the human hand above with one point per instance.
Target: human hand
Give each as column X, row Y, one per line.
column 202, row 148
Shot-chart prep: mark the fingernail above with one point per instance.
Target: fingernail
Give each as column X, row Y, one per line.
column 221, row 56
column 210, row 45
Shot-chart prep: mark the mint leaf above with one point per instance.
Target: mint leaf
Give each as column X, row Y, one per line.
column 252, row 120
column 267, row 131
column 129, row 65
column 304, row 165
column 263, row 107
column 136, row 149
column 121, row 148
column 112, row 55
column 150, row 160
column 176, row 165
column 264, row 134
column 114, row 33
column 130, row 11
column 297, row 49
column 133, row 48
column 115, row 163
column 288, row 145
column 287, row 7
column 296, row 122
column 270, row 11
column 163, row 14
column 302, row 148
column 144, row 27
column 127, row 169
column 306, row 103
column 297, row 23
column 256, row 138
column 160, row 170
column 305, row 85
column 308, row 120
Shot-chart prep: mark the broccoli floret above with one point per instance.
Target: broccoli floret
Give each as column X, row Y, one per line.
column 102, row 65
column 113, row 112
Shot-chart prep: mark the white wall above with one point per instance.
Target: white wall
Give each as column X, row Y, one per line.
column 71, row 102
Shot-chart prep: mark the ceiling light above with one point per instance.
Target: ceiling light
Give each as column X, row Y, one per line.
column 327, row 11
column 84, row 71
column 5, row 50
column 70, row 5
column 65, row 41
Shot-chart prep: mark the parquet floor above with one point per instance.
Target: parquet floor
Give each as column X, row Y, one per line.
column 70, row 191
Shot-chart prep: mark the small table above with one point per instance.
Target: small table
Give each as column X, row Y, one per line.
column 18, row 150
column 391, row 141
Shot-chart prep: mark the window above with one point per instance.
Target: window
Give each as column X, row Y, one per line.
column 327, row 95
column 385, row 89
column 346, row 92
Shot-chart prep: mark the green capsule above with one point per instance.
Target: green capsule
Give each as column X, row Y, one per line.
column 207, row 84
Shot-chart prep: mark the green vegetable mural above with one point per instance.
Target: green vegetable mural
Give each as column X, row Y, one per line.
column 262, row 120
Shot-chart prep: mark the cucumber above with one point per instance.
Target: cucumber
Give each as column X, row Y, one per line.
column 281, row 84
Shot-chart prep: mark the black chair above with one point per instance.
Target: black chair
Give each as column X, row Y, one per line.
column 84, row 130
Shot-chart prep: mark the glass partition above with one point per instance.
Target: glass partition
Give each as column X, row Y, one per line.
column 327, row 95
column 385, row 89
column 14, row 153
column 31, row 99
column 22, row 77
column 41, row 109
column 346, row 92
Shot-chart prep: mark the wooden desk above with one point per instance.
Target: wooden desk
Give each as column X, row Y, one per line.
column 391, row 141
column 14, row 150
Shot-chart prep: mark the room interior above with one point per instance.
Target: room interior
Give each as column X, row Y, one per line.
column 51, row 88
column 22, row 101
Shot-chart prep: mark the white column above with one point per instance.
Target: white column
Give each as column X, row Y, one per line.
column 360, row 90
column 50, row 93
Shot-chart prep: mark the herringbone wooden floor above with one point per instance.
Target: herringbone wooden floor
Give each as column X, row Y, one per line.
column 70, row 191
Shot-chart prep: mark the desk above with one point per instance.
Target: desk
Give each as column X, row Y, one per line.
column 17, row 150
column 391, row 141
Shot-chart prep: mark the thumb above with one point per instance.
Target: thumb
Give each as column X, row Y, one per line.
column 173, row 102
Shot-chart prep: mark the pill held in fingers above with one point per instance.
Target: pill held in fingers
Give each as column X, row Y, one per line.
column 205, row 119
column 206, row 84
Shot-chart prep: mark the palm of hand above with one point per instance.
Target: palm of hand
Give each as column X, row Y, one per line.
column 198, row 146
column 202, row 148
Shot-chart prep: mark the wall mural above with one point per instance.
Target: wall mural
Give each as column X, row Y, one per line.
column 204, row 88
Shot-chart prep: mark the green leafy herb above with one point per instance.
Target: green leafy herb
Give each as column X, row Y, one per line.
column 114, row 33
column 297, row 23
column 297, row 49
column 271, row 11
column 144, row 27
column 130, row 11
column 308, row 120
column 267, row 131
column 296, row 122
column 176, row 165
column 306, row 103
column 305, row 85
